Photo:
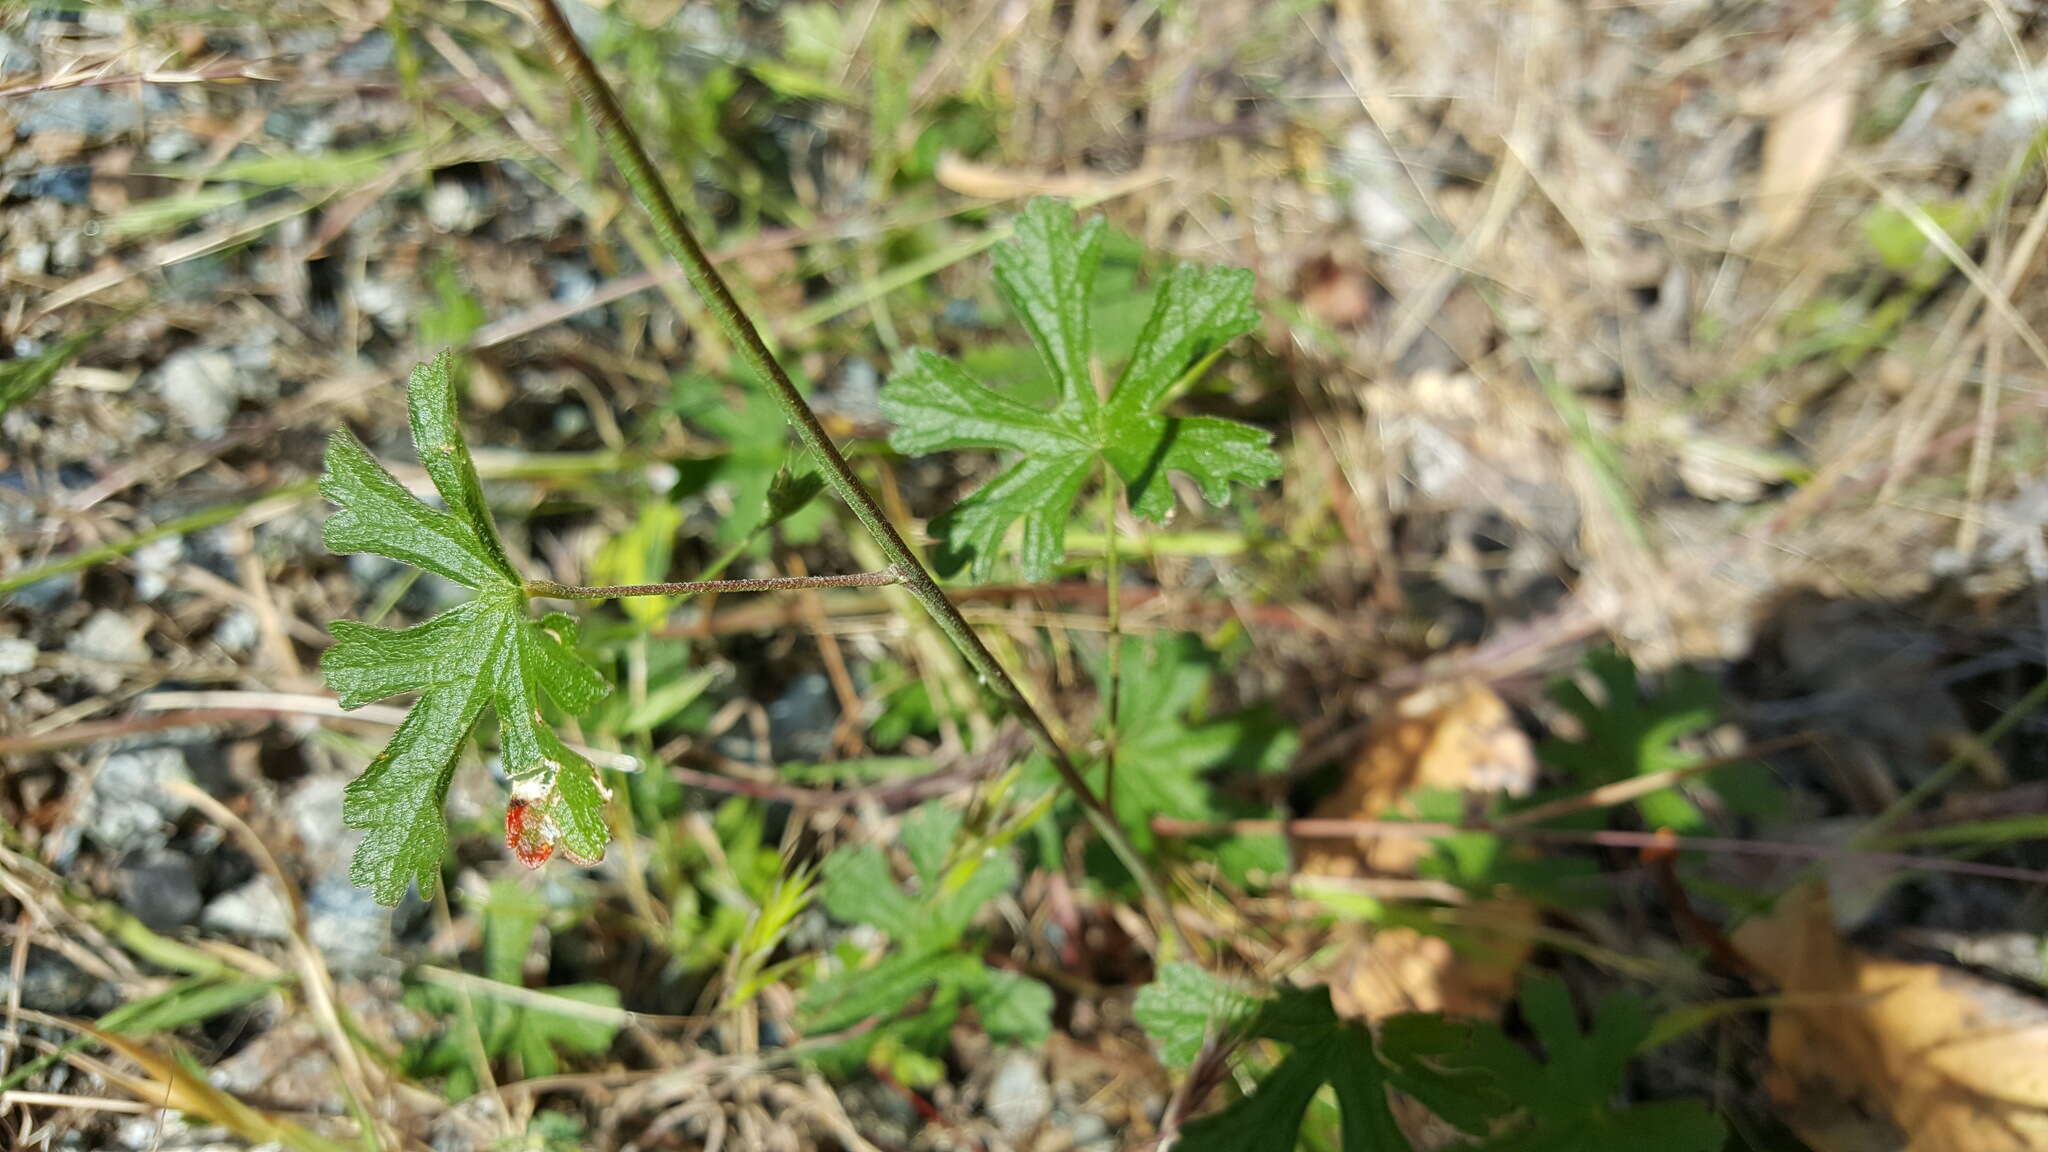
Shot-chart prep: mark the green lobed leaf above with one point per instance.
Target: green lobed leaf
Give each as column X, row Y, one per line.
column 1325, row 1049
column 488, row 651
column 967, row 888
column 889, row 988
column 914, row 994
column 1013, row 1009
column 1183, row 1007
column 1167, row 749
column 1633, row 732
column 928, row 835
column 858, row 889
column 526, row 1031
column 1465, row 1071
column 1471, row 1075
column 1046, row 272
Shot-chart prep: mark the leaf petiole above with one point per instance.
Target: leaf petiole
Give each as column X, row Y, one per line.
column 554, row 591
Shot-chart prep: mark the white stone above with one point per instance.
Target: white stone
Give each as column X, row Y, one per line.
column 154, row 563
column 383, row 302
column 451, row 208
column 237, row 631
column 314, row 808
column 16, row 656
column 1018, row 1097
column 108, row 635
column 32, row 258
column 254, row 911
column 201, row 385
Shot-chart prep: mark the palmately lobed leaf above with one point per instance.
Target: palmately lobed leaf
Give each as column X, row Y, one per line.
column 1184, row 1007
column 912, row 996
column 1046, row 272
column 489, row 651
column 1326, row 1049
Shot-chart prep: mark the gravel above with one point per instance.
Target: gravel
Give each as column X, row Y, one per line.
column 112, row 638
column 253, row 911
column 1018, row 1097
column 346, row 923
column 800, row 720
column 16, row 656
column 128, row 807
column 237, row 631
column 161, row 889
column 51, row 984
column 314, row 809
column 202, row 387
column 154, row 563
column 94, row 113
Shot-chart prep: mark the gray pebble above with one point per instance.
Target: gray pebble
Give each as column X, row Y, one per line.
column 160, row 889
column 154, row 564
column 94, row 113
column 253, row 911
column 346, row 923
column 237, row 631
column 51, row 983
column 800, row 721
column 128, row 807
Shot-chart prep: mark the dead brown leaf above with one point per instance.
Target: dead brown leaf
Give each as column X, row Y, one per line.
column 1812, row 108
column 1955, row 1062
column 988, row 182
column 1458, row 737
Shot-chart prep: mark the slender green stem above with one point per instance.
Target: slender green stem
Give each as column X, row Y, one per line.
column 1115, row 574
column 554, row 591
column 1899, row 809
column 610, row 123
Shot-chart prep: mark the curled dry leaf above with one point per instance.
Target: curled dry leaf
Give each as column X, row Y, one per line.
column 1869, row 1053
column 988, row 182
column 1451, row 737
column 1812, row 106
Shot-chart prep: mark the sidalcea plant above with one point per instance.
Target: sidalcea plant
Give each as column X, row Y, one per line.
column 1047, row 274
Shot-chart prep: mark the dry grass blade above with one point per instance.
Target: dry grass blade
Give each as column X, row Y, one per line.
column 170, row 1083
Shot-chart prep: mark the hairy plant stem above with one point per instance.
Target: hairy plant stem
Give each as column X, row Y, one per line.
column 609, row 121
column 1114, row 567
column 554, row 591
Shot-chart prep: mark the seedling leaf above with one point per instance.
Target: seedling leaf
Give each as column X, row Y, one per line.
column 1046, row 272
column 488, row 651
column 1167, row 749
